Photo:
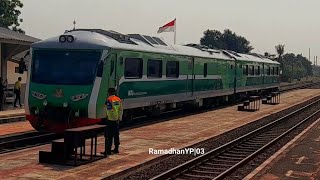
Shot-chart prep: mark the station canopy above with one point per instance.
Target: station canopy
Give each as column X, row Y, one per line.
column 13, row 43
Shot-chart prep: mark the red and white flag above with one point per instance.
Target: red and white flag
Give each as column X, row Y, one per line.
column 170, row 27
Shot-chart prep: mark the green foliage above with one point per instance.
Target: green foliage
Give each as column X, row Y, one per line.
column 10, row 14
column 295, row 66
column 280, row 50
column 226, row 40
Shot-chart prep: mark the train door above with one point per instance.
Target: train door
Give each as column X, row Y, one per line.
column 238, row 75
column 190, row 77
column 112, row 71
column 263, row 74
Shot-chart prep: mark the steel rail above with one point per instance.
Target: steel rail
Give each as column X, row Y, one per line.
column 200, row 159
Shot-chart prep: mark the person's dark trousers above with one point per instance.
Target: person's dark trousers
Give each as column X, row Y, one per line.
column 112, row 133
column 1, row 101
column 17, row 93
column 116, row 138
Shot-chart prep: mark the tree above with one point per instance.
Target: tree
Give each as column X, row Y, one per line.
column 10, row 14
column 227, row 40
column 280, row 50
column 295, row 66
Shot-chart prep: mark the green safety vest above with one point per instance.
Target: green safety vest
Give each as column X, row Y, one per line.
column 114, row 108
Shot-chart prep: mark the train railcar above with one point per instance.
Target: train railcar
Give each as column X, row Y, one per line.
column 69, row 75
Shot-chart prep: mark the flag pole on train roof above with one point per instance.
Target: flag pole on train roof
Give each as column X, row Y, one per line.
column 175, row 30
column 169, row 27
column 74, row 24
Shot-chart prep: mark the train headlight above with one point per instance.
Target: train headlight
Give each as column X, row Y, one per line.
column 45, row 103
column 65, row 104
column 70, row 39
column 62, row 38
column 77, row 114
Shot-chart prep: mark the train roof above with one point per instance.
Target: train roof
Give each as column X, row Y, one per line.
column 101, row 39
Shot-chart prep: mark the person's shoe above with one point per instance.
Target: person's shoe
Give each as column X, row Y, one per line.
column 21, row 105
column 15, row 106
column 104, row 153
column 116, row 151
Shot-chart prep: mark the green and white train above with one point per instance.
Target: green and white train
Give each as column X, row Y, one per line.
column 69, row 76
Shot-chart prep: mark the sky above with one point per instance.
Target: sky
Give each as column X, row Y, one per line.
column 265, row 24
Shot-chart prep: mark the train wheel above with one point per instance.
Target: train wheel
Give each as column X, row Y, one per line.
column 153, row 111
column 127, row 117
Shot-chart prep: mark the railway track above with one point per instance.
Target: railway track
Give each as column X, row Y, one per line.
column 9, row 143
column 292, row 87
column 221, row 162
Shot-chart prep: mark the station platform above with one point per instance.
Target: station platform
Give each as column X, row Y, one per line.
column 13, row 121
column 135, row 143
column 298, row 159
column 12, row 113
column 15, row 127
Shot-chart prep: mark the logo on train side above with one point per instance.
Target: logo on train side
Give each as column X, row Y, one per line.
column 132, row 93
column 58, row 93
column 38, row 95
column 78, row 97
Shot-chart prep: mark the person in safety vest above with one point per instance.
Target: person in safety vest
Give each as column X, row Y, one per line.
column 114, row 114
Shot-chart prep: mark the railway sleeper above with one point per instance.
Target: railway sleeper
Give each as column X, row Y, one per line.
column 262, row 139
column 188, row 176
column 254, row 145
column 265, row 138
column 236, row 154
column 225, row 161
column 251, row 141
column 205, row 172
column 220, row 165
column 240, row 149
column 229, row 157
column 258, row 140
column 215, row 168
column 270, row 134
column 248, row 145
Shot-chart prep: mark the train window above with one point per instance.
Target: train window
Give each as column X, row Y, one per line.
column 246, row 70
column 273, row 73
column 268, row 71
column 277, row 71
column 173, row 69
column 154, row 68
column 231, row 66
column 133, row 68
column 258, row 70
column 240, row 66
column 252, row 70
column 205, row 70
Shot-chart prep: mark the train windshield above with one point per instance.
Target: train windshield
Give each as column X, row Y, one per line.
column 66, row 67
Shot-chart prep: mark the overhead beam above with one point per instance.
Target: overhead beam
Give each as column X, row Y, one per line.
column 8, row 41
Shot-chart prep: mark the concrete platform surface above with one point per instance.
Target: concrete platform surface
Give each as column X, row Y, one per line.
column 298, row 159
column 12, row 112
column 135, row 143
column 15, row 127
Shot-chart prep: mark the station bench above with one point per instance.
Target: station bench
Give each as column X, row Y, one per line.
column 253, row 104
column 65, row 151
column 273, row 99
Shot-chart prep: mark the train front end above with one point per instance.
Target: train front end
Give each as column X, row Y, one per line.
column 62, row 86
